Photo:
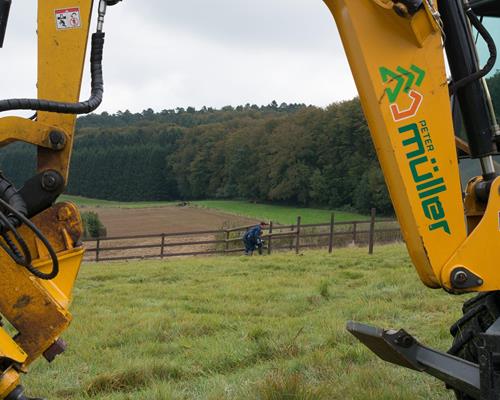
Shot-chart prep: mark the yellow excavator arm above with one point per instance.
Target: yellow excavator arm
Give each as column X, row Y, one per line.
column 398, row 64
column 42, row 248
column 396, row 50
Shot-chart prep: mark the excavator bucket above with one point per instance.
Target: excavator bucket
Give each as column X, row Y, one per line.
column 481, row 382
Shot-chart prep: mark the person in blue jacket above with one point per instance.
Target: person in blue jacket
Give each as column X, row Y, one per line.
column 251, row 238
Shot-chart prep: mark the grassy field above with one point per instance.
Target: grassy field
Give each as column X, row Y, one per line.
column 259, row 328
column 276, row 213
column 267, row 212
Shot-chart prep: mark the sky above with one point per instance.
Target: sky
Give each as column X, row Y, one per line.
column 164, row 54
column 493, row 26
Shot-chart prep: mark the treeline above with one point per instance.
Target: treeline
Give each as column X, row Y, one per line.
column 289, row 153
column 286, row 153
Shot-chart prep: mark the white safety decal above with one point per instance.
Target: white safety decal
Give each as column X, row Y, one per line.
column 68, row 18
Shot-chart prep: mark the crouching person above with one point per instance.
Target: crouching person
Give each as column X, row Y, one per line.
column 252, row 238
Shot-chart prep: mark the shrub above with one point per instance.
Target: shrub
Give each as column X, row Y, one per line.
column 92, row 225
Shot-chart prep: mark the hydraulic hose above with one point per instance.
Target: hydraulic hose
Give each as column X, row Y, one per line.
column 85, row 107
column 10, row 195
column 491, row 47
column 14, row 214
column 4, row 17
column 25, row 258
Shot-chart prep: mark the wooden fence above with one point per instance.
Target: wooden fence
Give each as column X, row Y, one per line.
column 294, row 237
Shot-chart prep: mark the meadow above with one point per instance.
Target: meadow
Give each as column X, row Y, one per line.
column 268, row 212
column 285, row 215
column 250, row 328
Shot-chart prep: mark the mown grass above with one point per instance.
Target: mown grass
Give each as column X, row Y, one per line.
column 263, row 328
column 278, row 213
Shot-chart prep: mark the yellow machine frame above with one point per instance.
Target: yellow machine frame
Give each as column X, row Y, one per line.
column 399, row 68
column 38, row 310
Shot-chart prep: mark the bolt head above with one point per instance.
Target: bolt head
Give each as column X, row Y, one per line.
column 460, row 277
column 57, row 140
column 50, row 181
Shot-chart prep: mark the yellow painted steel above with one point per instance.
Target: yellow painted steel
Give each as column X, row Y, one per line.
column 38, row 309
column 477, row 253
column 9, row 381
column 61, row 56
column 399, row 69
column 10, row 349
column 14, row 129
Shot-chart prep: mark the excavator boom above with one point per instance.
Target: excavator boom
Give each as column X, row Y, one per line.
column 396, row 50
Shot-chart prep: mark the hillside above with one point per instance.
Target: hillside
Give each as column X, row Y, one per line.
column 289, row 154
column 246, row 328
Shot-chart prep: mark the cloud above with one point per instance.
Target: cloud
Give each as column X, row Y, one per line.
column 167, row 54
column 297, row 24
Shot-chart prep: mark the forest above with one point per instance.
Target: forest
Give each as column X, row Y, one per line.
column 287, row 153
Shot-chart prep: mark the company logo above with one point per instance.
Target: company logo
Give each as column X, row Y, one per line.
column 417, row 142
column 425, row 172
column 406, row 82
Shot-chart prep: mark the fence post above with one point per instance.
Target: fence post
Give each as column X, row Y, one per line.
column 297, row 244
column 354, row 232
column 372, row 231
column 332, row 230
column 162, row 251
column 97, row 246
column 270, row 239
column 227, row 241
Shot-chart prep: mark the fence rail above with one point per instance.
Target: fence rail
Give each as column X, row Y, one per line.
column 294, row 237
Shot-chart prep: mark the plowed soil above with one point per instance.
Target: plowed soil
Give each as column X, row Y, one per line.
column 171, row 219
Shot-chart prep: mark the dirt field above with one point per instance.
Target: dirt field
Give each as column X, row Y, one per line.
column 125, row 222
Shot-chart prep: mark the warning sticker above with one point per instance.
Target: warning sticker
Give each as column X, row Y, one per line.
column 68, row 18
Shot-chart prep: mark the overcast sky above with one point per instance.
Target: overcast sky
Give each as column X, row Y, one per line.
column 166, row 54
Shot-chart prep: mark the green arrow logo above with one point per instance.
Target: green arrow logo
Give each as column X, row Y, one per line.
column 405, row 80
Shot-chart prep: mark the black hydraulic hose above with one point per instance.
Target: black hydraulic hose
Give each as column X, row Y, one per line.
column 4, row 18
column 13, row 250
column 84, row 107
column 491, row 47
column 24, row 258
column 27, row 261
column 9, row 194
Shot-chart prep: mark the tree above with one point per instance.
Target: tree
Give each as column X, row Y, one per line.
column 92, row 225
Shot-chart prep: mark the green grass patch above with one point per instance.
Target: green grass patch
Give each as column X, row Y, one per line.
column 249, row 328
column 277, row 213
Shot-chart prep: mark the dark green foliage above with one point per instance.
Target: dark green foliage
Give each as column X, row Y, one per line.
column 124, row 164
column 92, row 225
column 18, row 162
column 287, row 153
